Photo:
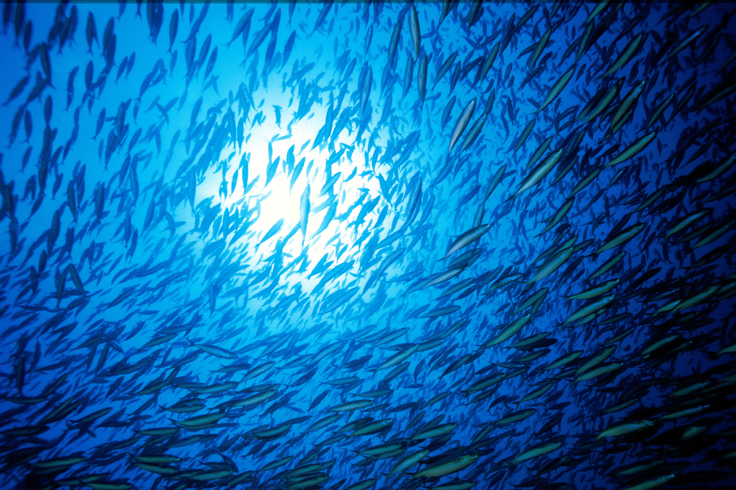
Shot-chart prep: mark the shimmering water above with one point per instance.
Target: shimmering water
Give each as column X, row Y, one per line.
column 441, row 245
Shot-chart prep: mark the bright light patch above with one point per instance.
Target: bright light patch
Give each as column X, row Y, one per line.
column 260, row 219
column 263, row 203
column 279, row 202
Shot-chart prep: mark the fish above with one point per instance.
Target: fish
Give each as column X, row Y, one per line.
column 557, row 88
column 461, row 124
column 633, row 149
column 447, row 468
column 539, row 172
column 173, row 28
column 304, row 209
column 453, row 317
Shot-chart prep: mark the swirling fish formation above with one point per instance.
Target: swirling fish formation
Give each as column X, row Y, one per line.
column 522, row 274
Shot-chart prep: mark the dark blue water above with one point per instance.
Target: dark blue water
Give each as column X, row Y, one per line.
column 379, row 245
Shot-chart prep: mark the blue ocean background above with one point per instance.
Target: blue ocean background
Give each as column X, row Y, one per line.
column 367, row 245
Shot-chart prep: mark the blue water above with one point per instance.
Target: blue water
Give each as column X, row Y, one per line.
column 280, row 245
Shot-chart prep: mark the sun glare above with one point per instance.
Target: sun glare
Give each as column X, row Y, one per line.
column 279, row 170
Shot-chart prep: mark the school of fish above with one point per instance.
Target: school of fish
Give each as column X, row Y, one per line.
column 382, row 245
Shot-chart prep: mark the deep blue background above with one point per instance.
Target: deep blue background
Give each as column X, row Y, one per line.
column 173, row 247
